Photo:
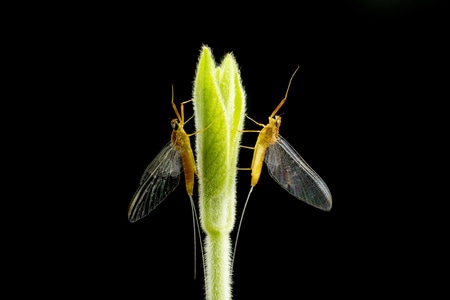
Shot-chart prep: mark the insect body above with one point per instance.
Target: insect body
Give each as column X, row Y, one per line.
column 285, row 165
column 162, row 175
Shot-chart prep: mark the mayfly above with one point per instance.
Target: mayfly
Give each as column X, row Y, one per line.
column 285, row 165
column 162, row 175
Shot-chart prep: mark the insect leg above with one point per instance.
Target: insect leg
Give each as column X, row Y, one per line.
column 285, row 96
column 182, row 110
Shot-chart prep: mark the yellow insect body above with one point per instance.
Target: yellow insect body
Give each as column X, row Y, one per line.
column 285, row 166
column 162, row 175
column 181, row 142
column 267, row 137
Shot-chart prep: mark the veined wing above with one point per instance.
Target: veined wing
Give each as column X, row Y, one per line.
column 160, row 178
column 292, row 172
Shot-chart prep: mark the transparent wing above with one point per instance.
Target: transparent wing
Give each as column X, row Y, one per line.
column 160, row 178
column 292, row 172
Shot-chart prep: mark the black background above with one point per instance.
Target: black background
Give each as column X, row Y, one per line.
column 360, row 109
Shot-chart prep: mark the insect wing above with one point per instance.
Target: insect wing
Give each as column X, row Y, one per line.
column 292, row 172
column 160, row 178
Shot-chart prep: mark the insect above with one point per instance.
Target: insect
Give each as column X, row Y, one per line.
column 162, row 175
column 285, row 165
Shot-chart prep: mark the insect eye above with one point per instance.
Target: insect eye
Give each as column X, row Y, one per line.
column 278, row 120
column 174, row 124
